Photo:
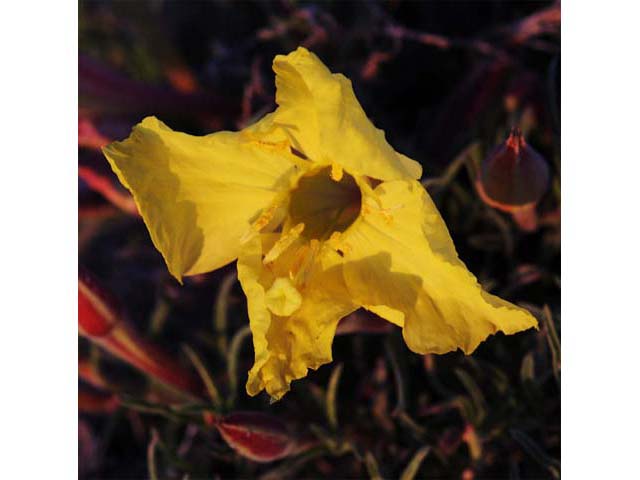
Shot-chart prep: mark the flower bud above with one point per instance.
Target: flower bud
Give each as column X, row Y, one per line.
column 97, row 402
column 513, row 176
column 254, row 435
column 98, row 310
column 100, row 319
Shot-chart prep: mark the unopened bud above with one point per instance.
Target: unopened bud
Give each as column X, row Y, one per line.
column 513, row 176
column 100, row 319
column 97, row 402
column 98, row 311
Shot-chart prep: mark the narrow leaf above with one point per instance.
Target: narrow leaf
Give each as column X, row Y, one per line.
column 536, row 452
column 527, row 369
column 332, row 413
column 232, row 360
column 552, row 340
column 221, row 310
column 411, row 470
column 290, row 469
column 151, row 455
column 204, row 375
column 372, row 466
column 397, row 375
column 477, row 397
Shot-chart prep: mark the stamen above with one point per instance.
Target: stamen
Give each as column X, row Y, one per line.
column 270, row 216
column 305, row 258
column 284, row 242
column 310, row 258
column 261, row 222
column 336, row 172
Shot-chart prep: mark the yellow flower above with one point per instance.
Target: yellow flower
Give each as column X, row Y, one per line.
column 323, row 216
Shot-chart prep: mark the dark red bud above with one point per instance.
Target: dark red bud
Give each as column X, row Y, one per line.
column 98, row 310
column 97, row 402
column 101, row 320
column 259, row 437
column 513, row 175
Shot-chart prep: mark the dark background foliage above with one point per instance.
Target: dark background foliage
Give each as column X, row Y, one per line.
column 446, row 81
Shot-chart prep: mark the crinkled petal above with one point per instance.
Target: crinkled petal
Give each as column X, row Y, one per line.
column 324, row 119
column 198, row 195
column 400, row 263
column 286, row 346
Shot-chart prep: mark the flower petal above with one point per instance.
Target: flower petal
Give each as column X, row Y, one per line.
column 286, row 346
column 400, row 263
column 198, row 195
column 324, row 119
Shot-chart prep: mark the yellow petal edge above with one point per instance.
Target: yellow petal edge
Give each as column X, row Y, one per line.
column 198, row 195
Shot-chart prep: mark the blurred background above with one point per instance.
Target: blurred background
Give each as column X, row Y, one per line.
column 162, row 366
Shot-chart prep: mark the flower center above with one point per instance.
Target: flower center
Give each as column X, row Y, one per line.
column 325, row 205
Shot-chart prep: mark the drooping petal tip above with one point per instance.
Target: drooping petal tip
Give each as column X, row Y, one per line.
column 401, row 264
column 292, row 326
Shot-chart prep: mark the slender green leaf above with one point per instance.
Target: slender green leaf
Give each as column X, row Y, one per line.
column 405, row 420
column 372, row 466
column 332, row 390
column 411, row 470
column 479, row 403
column 401, row 404
column 159, row 316
column 232, row 360
column 536, row 452
column 204, row 375
column 463, row 158
column 151, row 455
column 552, row 340
column 221, row 310
column 290, row 468
column 527, row 369
column 151, row 408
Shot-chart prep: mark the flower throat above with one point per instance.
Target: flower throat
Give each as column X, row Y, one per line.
column 325, row 205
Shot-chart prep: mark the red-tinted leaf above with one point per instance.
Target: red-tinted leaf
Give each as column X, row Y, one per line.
column 259, row 437
column 89, row 136
column 104, row 185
